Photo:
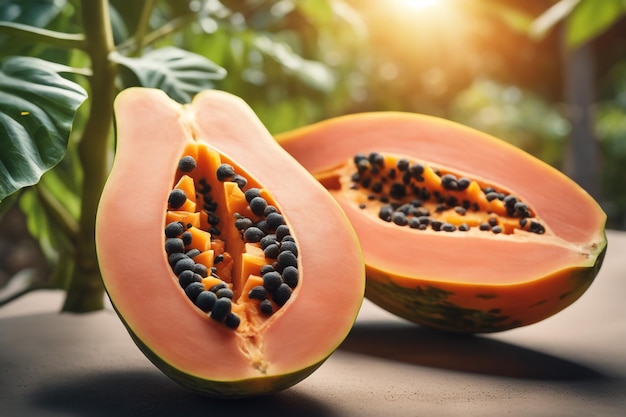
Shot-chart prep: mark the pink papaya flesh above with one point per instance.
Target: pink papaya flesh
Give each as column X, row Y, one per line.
column 460, row 231
column 192, row 192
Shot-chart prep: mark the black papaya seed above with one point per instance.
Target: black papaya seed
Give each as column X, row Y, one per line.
column 262, row 225
column 448, row 227
column 272, row 280
column 414, row 222
column 436, row 225
column 175, row 257
column 253, row 234
column 187, row 277
column 251, row 193
column 281, row 232
column 463, row 183
column 274, row 220
column 257, row 205
column 258, row 293
column 282, row 294
column 290, row 276
column 288, row 245
column 286, row 259
column 272, row 251
column 193, row 290
column 243, row 223
column 173, row 245
column 385, row 212
column 221, row 309
column 399, row 218
column 397, row 190
column 232, row 321
column 186, row 237
column 269, row 209
column 218, row 286
column 224, row 293
column 176, row 198
column 240, row 181
column 402, row 164
column 183, row 264
column 449, row 182
column 193, row 252
column 224, row 172
column 266, row 268
column 201, row 270
column 267, row 240
column 187, row 163
column 206, row 300
column 266, row 307
column 174, row 229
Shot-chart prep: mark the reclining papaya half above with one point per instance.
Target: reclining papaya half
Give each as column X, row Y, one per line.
column 460, row 231
column 234, row 271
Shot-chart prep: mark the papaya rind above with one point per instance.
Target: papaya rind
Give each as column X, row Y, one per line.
column 233, row 389
column 448, row 306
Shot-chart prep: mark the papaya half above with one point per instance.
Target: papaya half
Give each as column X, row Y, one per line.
column 233, row 270
column 460, row 231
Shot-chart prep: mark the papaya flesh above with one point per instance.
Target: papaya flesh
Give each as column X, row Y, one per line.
column 460, row 231
column 196, row 196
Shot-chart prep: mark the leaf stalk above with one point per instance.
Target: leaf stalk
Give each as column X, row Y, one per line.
column 50, row 37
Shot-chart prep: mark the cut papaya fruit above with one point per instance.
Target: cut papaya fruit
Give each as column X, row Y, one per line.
column 196, row 195
column 460, row 231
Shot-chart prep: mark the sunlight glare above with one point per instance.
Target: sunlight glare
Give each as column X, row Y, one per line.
column 419, row 4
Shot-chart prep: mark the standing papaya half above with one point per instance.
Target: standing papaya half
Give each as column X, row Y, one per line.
column 234, row 271
column 460, row 231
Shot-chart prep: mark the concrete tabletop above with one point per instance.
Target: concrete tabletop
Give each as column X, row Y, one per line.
column 572, row 364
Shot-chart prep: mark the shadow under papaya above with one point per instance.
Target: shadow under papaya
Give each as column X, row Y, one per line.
column 137, row 393
column 418, row 345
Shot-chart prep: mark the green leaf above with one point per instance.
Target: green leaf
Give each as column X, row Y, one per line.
column 31, row 12
column 55, row 245
column 37, row 108
column 591, row 18
column 313, row 74
column 34, row 13
column 585, row 19
column 181, row 74
column 551, row 17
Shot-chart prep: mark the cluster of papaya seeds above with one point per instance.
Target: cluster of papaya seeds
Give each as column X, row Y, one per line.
column 460, row 231
column 209, row 252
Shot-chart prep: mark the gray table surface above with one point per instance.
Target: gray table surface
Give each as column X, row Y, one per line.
column 572, row 364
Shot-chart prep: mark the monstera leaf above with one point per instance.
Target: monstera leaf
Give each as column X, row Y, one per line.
column 181, row 74
column 37, row 108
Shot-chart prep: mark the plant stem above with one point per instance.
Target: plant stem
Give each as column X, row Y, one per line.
column 50, row 37
column 58, row 212
column 86, row 292
column 142, row 26
column 133, row 45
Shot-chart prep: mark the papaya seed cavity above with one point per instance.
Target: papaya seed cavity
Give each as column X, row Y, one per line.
column 416, row 194
column 229, row 246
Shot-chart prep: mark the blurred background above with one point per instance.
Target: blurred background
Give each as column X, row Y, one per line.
column 548, row 76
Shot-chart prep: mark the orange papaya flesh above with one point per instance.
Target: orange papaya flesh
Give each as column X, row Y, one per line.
column 474, row 235
column 266, row 340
